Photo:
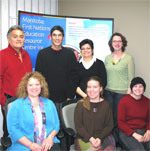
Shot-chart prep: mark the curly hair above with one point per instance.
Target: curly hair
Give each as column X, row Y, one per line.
column 86, row 101
column 22, row 88
column 124, row 42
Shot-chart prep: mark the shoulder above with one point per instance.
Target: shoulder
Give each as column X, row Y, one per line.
column 45, row 50
column 47, row 101
column 106, row 104
column 108, row 57
column 79, row 104
column 24, row 52
column 4, row 51
column 99, row 62
column 125, row 99
column 145, row 98
column 18, row 103
column 129, row 57
column 68, row 50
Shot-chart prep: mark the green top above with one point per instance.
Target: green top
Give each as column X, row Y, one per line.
column 119, row 75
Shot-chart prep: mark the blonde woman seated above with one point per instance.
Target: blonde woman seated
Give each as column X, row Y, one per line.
column 94, row 120
column 32, row 119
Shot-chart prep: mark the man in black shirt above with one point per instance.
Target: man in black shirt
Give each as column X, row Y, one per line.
column 59, row 66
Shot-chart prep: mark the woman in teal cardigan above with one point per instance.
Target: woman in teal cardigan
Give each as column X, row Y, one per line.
column 120, row 71
column 32, row 119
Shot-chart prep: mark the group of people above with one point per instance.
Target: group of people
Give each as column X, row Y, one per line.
column 111, row 108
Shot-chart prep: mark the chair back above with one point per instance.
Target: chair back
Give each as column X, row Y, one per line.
column 68, row 115
column 6, row 142
column 9, row 103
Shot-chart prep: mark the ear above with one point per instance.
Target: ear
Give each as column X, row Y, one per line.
column 81, row 54
column 101, row 89
column 8, row 39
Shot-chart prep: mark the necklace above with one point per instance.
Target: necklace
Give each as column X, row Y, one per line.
column 116, row 61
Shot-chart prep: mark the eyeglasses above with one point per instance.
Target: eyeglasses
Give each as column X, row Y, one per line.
column 115, row 41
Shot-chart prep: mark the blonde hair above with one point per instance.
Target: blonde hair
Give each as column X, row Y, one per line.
column 22, row 88
column 86, row 101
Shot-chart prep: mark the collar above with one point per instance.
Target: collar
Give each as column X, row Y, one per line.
column 135, row 98
column 87, row 65
column 14, row 51
column 56, row 49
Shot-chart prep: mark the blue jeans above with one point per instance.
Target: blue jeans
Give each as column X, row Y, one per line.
column 113, row 98
column 130, row 143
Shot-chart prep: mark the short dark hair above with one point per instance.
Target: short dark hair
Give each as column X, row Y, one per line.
column 86, row 41
column 137, row 80
column 57, row 27
column 15, row 27
column 123, row 38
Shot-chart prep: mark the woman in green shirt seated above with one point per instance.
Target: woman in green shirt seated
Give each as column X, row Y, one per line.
column 120, row 71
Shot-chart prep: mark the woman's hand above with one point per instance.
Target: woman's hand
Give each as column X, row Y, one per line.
column 35, row 147
column 147, row 136
column 47, row 144
column 95, row 142
column 138, row 137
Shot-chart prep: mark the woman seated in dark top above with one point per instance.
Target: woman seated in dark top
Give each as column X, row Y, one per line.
column 89, row 66
column 94, row 120
column 134, row 118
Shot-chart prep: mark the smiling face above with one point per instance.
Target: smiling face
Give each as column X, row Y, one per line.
column 33, row 87
column 94, row 89
column 86, row 51
column 137, row 90
column 57, row 39
column 117, row 43
column 16, row 39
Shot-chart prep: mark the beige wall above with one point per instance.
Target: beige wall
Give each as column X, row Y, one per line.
column 131, row 18
column 9, row 13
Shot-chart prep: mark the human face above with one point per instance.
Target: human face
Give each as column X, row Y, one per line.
column 137, row 90
column 117, row 43
column 86, row 51
column 93, row 89
column 16, row 39
column 57, row 39
column 33, row 87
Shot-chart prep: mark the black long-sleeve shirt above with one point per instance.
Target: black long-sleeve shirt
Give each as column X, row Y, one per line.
column 97, row 69
column 60, row 70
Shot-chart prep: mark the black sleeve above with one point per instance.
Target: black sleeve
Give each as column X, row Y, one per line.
column 73, row 77
column 103, row 74
column 39, row 66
